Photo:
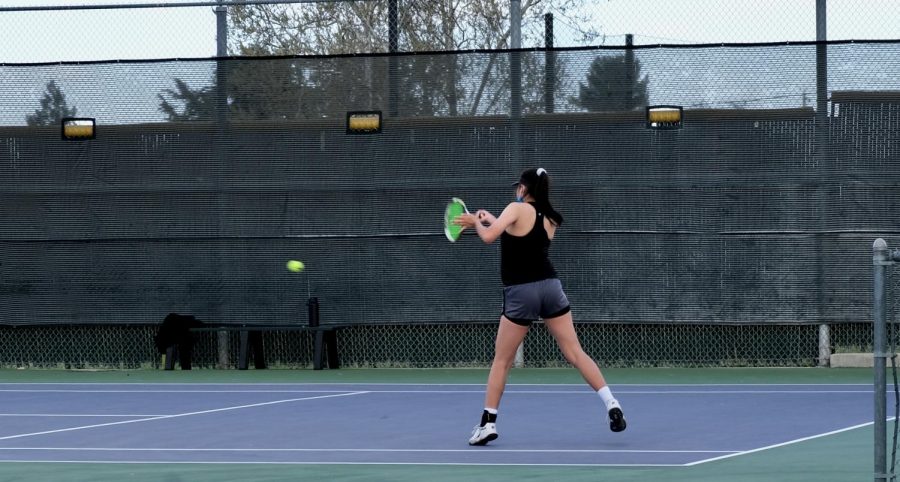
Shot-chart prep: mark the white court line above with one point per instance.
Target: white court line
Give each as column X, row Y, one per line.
column 75, row 415
column 782, row 444
column 508, row 391
column 218, row 462
column 240, row 384
column 471, row 451
column 8, row 437
column 638, row 392
column 29, row 390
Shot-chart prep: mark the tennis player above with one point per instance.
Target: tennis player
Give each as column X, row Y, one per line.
column 531, row 290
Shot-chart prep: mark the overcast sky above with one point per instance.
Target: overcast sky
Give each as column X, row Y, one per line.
column 190, row 31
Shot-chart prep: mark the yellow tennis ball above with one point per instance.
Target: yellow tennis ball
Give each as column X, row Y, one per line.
column 295, row 266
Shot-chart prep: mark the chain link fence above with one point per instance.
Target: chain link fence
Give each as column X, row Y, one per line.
column 439, row 346
column 35, row 31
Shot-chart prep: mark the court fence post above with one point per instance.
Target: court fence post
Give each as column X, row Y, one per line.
column 221, row 11
column 549, row 65
column 881, row 258
column 515, row 83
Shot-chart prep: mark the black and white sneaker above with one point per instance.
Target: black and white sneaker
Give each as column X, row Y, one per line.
column 482, row 434
column 616, row 417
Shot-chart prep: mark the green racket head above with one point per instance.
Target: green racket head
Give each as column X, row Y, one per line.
column 454, row 209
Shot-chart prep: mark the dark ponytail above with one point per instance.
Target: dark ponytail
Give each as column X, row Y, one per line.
column 537, row 183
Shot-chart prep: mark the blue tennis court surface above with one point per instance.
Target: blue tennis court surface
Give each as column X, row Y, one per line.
column 413, row 424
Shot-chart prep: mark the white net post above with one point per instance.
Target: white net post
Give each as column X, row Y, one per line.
column 520, row 356
column 824, row 345
column 222, row 351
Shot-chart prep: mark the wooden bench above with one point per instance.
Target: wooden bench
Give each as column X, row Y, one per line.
column 325, row 344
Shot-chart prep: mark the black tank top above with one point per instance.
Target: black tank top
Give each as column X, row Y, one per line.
column 524, row 259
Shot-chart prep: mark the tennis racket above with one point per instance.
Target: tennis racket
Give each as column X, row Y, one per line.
column 455, row 207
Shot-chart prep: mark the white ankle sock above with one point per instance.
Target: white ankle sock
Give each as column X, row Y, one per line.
column 492, row 411
column 607, row 397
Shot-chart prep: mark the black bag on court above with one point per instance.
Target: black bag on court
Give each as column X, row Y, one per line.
column 175, row 329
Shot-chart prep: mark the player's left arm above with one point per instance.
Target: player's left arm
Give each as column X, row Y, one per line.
column 485, row 217
column 491, row 232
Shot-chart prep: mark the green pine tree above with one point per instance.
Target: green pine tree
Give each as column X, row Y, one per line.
column 613, row 84
column 53, row 108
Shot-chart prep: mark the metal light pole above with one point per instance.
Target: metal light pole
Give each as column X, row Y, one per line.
column 821, row 151
column 515, row 106
column 222, row 151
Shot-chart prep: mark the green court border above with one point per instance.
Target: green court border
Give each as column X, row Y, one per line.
column 843, row 457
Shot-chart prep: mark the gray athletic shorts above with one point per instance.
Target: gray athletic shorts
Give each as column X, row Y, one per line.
column 525, row 303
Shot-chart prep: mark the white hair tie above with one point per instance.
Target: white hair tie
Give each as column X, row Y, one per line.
column 541, row 170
